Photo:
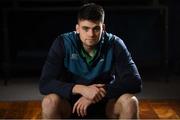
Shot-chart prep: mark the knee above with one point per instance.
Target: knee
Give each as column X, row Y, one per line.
column 128, row 105
column 128, row 102
column 50, row 101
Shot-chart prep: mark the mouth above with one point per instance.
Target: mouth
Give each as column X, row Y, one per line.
column 91, row 39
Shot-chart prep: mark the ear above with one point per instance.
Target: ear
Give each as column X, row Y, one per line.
column 104, row 26
column 77, row 28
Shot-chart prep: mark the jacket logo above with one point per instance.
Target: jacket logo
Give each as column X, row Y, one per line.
column 101, row 60
column 74, row 56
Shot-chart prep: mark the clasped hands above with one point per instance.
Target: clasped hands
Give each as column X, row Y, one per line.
column 90, row 94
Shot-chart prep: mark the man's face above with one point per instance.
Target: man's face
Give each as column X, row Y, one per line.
column 90, row 32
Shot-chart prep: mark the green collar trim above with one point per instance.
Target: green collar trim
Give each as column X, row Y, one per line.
column 88, row 57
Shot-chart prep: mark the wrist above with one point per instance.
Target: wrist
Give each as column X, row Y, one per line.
column 78, row 89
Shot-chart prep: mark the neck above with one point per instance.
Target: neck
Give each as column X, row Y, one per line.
column 89, row 49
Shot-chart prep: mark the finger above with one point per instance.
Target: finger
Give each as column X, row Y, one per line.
column 100, row 95
column 81, row 110
column 99, row 85
column 98, row 98
column 102, row 90
column 74, row 107
column 78, row 110
column 85, row 110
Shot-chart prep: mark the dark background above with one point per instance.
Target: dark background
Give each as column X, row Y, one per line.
column 149, row 28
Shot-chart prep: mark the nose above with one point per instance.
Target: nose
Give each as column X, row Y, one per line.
column 91, row 33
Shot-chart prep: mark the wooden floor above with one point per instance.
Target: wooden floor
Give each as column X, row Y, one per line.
column 149, row 109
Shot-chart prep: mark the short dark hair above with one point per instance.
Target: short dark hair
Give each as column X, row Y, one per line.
column 91, row 11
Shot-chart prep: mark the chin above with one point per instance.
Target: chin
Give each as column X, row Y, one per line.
column 90, row 45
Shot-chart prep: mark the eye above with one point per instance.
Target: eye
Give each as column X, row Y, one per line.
column 96, row 29
column 85, row 28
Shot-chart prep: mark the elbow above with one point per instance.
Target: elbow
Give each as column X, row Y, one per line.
column 139, row 89
column 136, row 86
column 43, row 88
column 139, row 86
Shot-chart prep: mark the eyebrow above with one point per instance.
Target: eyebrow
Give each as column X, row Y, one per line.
column 86, row 27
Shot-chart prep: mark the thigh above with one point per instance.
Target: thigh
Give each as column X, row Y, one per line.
column 66, row 108
column 115, row 106
column 53, row 103
column 112, row 109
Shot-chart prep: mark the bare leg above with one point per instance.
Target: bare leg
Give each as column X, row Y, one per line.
column 125, row 107
column 53, row 106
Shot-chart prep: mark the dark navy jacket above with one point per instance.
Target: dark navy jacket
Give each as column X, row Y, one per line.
column 112, row 65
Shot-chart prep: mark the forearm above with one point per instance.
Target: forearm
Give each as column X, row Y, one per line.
column 119, row 87
column 94, row 92
column 57, row 86
column 77, row 89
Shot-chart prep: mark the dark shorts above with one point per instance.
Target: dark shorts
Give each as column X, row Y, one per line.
column 97, row 110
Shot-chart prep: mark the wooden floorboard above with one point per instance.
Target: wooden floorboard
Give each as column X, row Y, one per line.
column 20, row 110
column 146, row 110
column 149, row 109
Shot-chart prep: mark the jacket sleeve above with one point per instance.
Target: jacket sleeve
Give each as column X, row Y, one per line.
column 51, row 77
column 126, row 75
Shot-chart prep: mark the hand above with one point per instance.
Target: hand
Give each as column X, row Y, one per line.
column 94, row 92
column 81, row 106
